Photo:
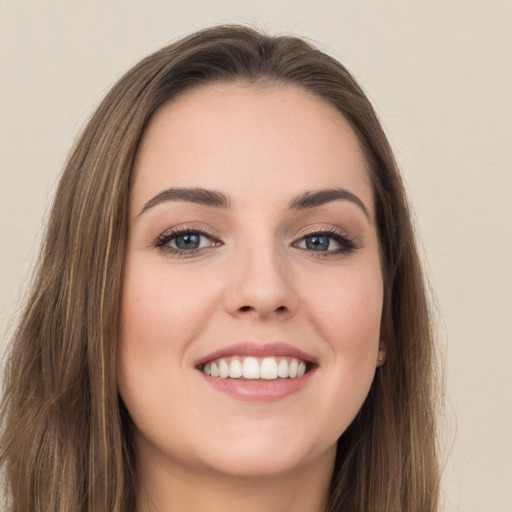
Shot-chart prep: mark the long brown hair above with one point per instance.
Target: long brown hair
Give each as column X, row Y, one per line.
column 65, row 442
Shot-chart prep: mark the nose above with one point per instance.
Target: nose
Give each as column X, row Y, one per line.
column 260, row 285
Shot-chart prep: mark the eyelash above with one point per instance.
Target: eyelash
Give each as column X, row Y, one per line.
column 163, row 240
column 347, row 245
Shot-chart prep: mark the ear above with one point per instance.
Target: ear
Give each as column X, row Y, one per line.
column 381, row 356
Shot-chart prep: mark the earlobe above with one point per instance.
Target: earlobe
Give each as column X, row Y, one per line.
column 381, row 357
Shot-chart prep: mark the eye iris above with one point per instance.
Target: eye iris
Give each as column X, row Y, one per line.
column 317, row 242
column 187, row 241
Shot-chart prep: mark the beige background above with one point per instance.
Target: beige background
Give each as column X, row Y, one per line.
column 440, row 76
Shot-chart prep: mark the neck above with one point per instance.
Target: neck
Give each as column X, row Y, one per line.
column 173, row 489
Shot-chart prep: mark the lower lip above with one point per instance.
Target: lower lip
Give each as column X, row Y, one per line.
column 259, row 390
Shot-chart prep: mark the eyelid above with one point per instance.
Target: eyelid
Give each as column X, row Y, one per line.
column 191, row 227
column 320, row 229
column 348, row 244
column 161, row 241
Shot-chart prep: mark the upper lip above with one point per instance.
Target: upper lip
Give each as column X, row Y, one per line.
column 246, row 349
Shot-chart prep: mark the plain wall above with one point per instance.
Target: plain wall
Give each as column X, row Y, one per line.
column 440, row 77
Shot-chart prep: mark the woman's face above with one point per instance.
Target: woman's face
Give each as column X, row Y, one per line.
column 253, row 252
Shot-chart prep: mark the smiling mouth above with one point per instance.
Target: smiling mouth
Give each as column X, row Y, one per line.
column 256, row 368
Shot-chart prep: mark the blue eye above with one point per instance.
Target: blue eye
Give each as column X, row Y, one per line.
column 317, row 242
column 327, row 243
column 185, row 242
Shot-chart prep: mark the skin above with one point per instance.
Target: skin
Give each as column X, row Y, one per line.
column 199, row 449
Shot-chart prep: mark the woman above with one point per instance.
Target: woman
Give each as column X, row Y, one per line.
column 229, row 311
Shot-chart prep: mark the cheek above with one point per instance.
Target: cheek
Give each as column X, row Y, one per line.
column 162, row 309
column 162, row 313
column 347, row 314
column 348, row 307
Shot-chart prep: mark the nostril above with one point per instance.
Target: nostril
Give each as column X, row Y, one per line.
column 280, row 309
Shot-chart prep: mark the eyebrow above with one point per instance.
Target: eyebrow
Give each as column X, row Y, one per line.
column 216, row 199
column 202, row 196
column 311, row 199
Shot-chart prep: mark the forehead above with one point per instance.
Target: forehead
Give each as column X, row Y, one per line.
column 250, row 141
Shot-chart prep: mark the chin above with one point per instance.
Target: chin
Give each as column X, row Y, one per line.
column 264, row 454
column 256, row 465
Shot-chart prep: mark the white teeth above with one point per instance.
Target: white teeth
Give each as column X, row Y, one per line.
column 251, row 368
column 282, row 369
column 235, row 369
column 292, row 368
column 267, row 368
column 223, row 369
